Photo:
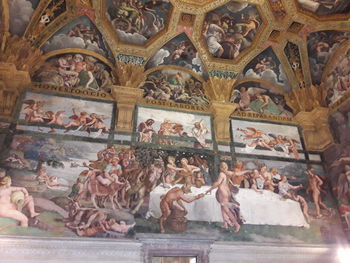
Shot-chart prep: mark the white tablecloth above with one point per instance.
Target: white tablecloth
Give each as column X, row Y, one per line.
column 265, row 208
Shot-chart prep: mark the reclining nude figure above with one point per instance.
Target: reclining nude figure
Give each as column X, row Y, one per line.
column 10, row 207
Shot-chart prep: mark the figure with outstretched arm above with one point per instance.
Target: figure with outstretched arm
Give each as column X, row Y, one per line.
column 11, row 202
column 177, row 195
column 225, row 196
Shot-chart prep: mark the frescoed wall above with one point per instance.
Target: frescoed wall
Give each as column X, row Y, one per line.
column 174, row 128
column 338, row 159
column 62, row 115
column 200, row 123
column 266, row 139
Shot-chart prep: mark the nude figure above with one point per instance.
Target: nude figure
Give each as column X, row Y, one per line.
column 314, row 190
column 229, row 206
column 11, row 210
column 187, row 173
column 167, row 202
column 122, row 227
column 171, row 170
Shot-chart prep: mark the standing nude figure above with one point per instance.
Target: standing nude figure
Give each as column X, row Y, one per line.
column 167, row 202
column 187, row 173
column 314, row 191
column 10, row 209
column 224, row 195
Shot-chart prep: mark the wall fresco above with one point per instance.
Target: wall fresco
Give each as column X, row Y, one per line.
column 175, row 86
column 75, row 71
column 267, row 139
column 337, row 158
column 266, row 66
column 137, row 21
column 230, row 29
column 62, row 115
column 261, row 98
column 174, row 128
column 81, row 33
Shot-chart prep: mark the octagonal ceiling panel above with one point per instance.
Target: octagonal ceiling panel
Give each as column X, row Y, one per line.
column 325, row 7
column 80, row 33
column 266, row 66
column 21, row 12
column 136, row 22
column 179, row 51
column 231, row 28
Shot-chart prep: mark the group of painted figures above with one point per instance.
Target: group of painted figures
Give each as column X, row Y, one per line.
column 117, row 177
column 76, row 71
column 171, row 128
column 34, row 113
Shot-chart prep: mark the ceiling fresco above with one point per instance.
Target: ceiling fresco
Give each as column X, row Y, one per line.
column 325, row 7
column 230, row 29
column 136, row 22
column 286, row 44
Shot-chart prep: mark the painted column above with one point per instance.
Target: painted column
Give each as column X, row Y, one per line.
column 126, row 99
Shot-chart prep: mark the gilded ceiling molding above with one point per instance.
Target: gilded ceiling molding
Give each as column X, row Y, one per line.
column 20, row 52
column 36, row 15
column 303, row 57
column 5, row 17
column 43, row 19
column 285, row 64
column 129, row 74
column 219, row 89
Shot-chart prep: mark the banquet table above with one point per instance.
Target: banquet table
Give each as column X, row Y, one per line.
column 265, row 208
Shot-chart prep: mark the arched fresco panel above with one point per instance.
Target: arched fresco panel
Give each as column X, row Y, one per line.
column 75, row 70
column 81, row 33
column 261, row 98
column 174, row 86
column 266, row 66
